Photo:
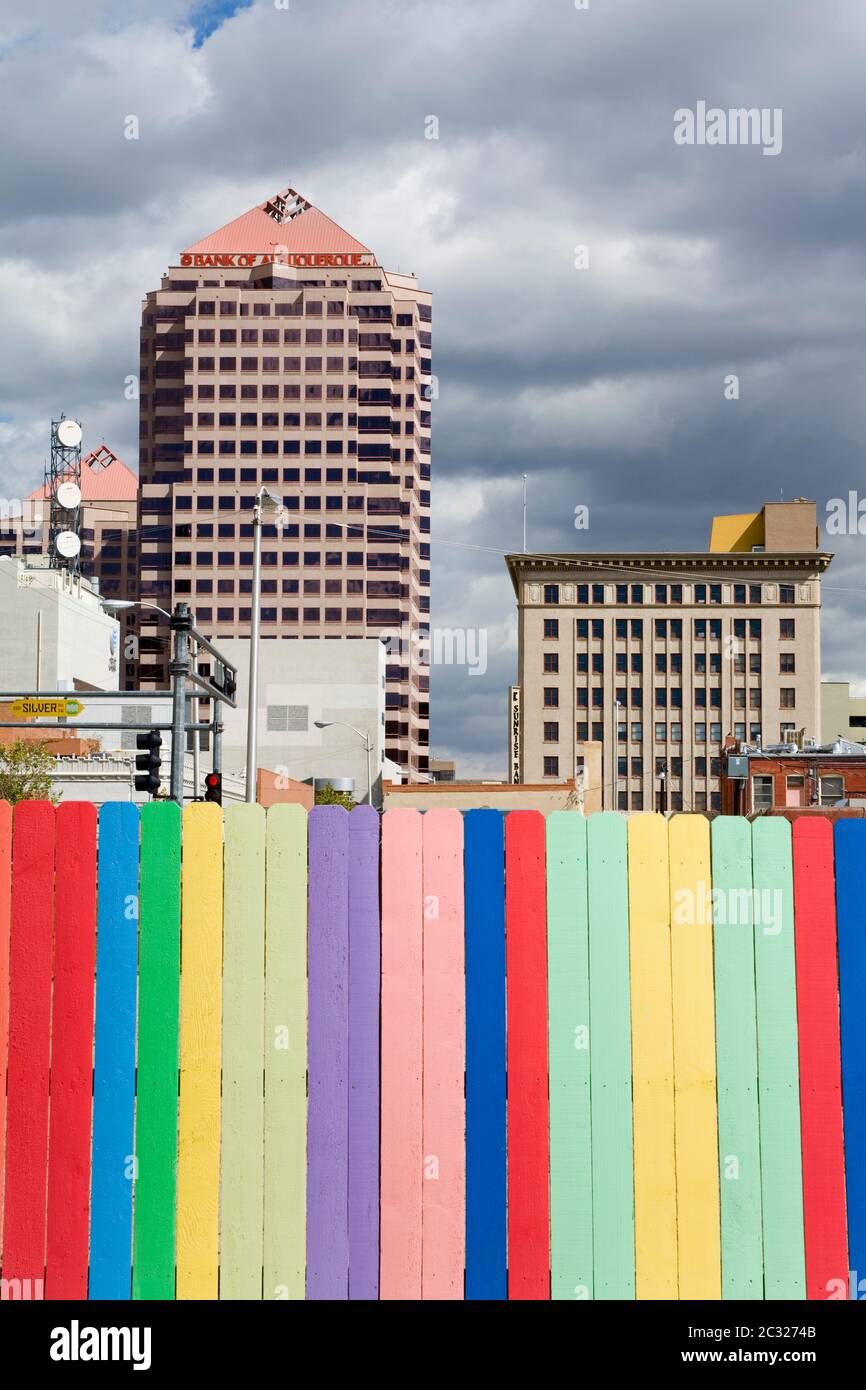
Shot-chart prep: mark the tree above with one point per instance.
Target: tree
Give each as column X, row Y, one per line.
column 326, row 796
column 26, row 773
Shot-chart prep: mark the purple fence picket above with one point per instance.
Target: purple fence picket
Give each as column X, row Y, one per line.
column 363, row 1053
column 328, row 1055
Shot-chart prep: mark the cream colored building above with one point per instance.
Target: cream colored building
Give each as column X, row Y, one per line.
column 843, row 715
column 663, row 656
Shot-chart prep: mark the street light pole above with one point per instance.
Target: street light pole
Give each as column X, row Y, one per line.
column 265, row 502
column 365, row 739
column 181, row 623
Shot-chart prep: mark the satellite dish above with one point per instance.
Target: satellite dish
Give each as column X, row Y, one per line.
column 69, row 433
column 67, row 544
column 69, row 496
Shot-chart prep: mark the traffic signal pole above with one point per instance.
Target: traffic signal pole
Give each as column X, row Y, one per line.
column 188, row 683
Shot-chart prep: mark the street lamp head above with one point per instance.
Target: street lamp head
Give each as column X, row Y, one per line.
column 323, row 723
column 115, row 604
column 269, row 502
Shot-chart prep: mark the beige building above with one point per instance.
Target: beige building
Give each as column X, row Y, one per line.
column 662, row 656
column 843, row 715
column 277, row 352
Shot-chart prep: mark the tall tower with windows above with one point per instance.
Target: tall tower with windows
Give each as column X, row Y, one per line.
column 278, row 352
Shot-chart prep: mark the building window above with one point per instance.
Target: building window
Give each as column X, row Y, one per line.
column 551, row 731
column 787, row 661
column 551, row 767
column 551, row 627
column 551, row 697
column 786, row 593
column 786, row 629
column 787, row 697
column 700, row 733
column 598, row 593
column 551, row 661
column 762, row 793
column 832, row 790
column 551, row 593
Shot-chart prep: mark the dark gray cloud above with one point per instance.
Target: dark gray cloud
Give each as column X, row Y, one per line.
column 556, row 125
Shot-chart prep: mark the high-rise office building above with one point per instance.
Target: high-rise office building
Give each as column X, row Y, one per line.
column 278, row 352
column 661, row 656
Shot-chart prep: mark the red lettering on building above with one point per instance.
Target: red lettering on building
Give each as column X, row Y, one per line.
column 301, row 259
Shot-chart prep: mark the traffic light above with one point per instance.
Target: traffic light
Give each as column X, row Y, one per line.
column 147, row 763
column 213, row 787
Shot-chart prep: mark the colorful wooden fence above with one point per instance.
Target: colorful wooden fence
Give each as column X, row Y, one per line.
column 264, row 1055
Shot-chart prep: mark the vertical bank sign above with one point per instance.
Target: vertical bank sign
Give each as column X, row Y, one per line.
column 514, row 733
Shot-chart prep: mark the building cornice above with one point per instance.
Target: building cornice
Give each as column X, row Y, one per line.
column 681, row 563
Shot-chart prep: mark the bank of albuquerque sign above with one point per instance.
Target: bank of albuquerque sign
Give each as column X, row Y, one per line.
column 235, row 260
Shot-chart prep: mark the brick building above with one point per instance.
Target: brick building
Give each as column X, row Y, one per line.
column 768, row 780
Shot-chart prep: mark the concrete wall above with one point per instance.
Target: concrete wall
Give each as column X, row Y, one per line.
column 300, row 682
column 838, row 708
column 471, row 796
column 79, row 642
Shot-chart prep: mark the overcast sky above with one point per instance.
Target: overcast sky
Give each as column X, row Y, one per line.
column 555, row 131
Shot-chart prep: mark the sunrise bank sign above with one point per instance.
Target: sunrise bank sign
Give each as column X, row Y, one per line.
column 243, row 260
column 737, row 126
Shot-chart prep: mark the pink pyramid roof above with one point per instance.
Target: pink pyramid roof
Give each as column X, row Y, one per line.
column 104, row 478
column 286, row 220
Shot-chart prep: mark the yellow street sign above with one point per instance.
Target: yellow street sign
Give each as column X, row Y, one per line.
column 60, row 708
